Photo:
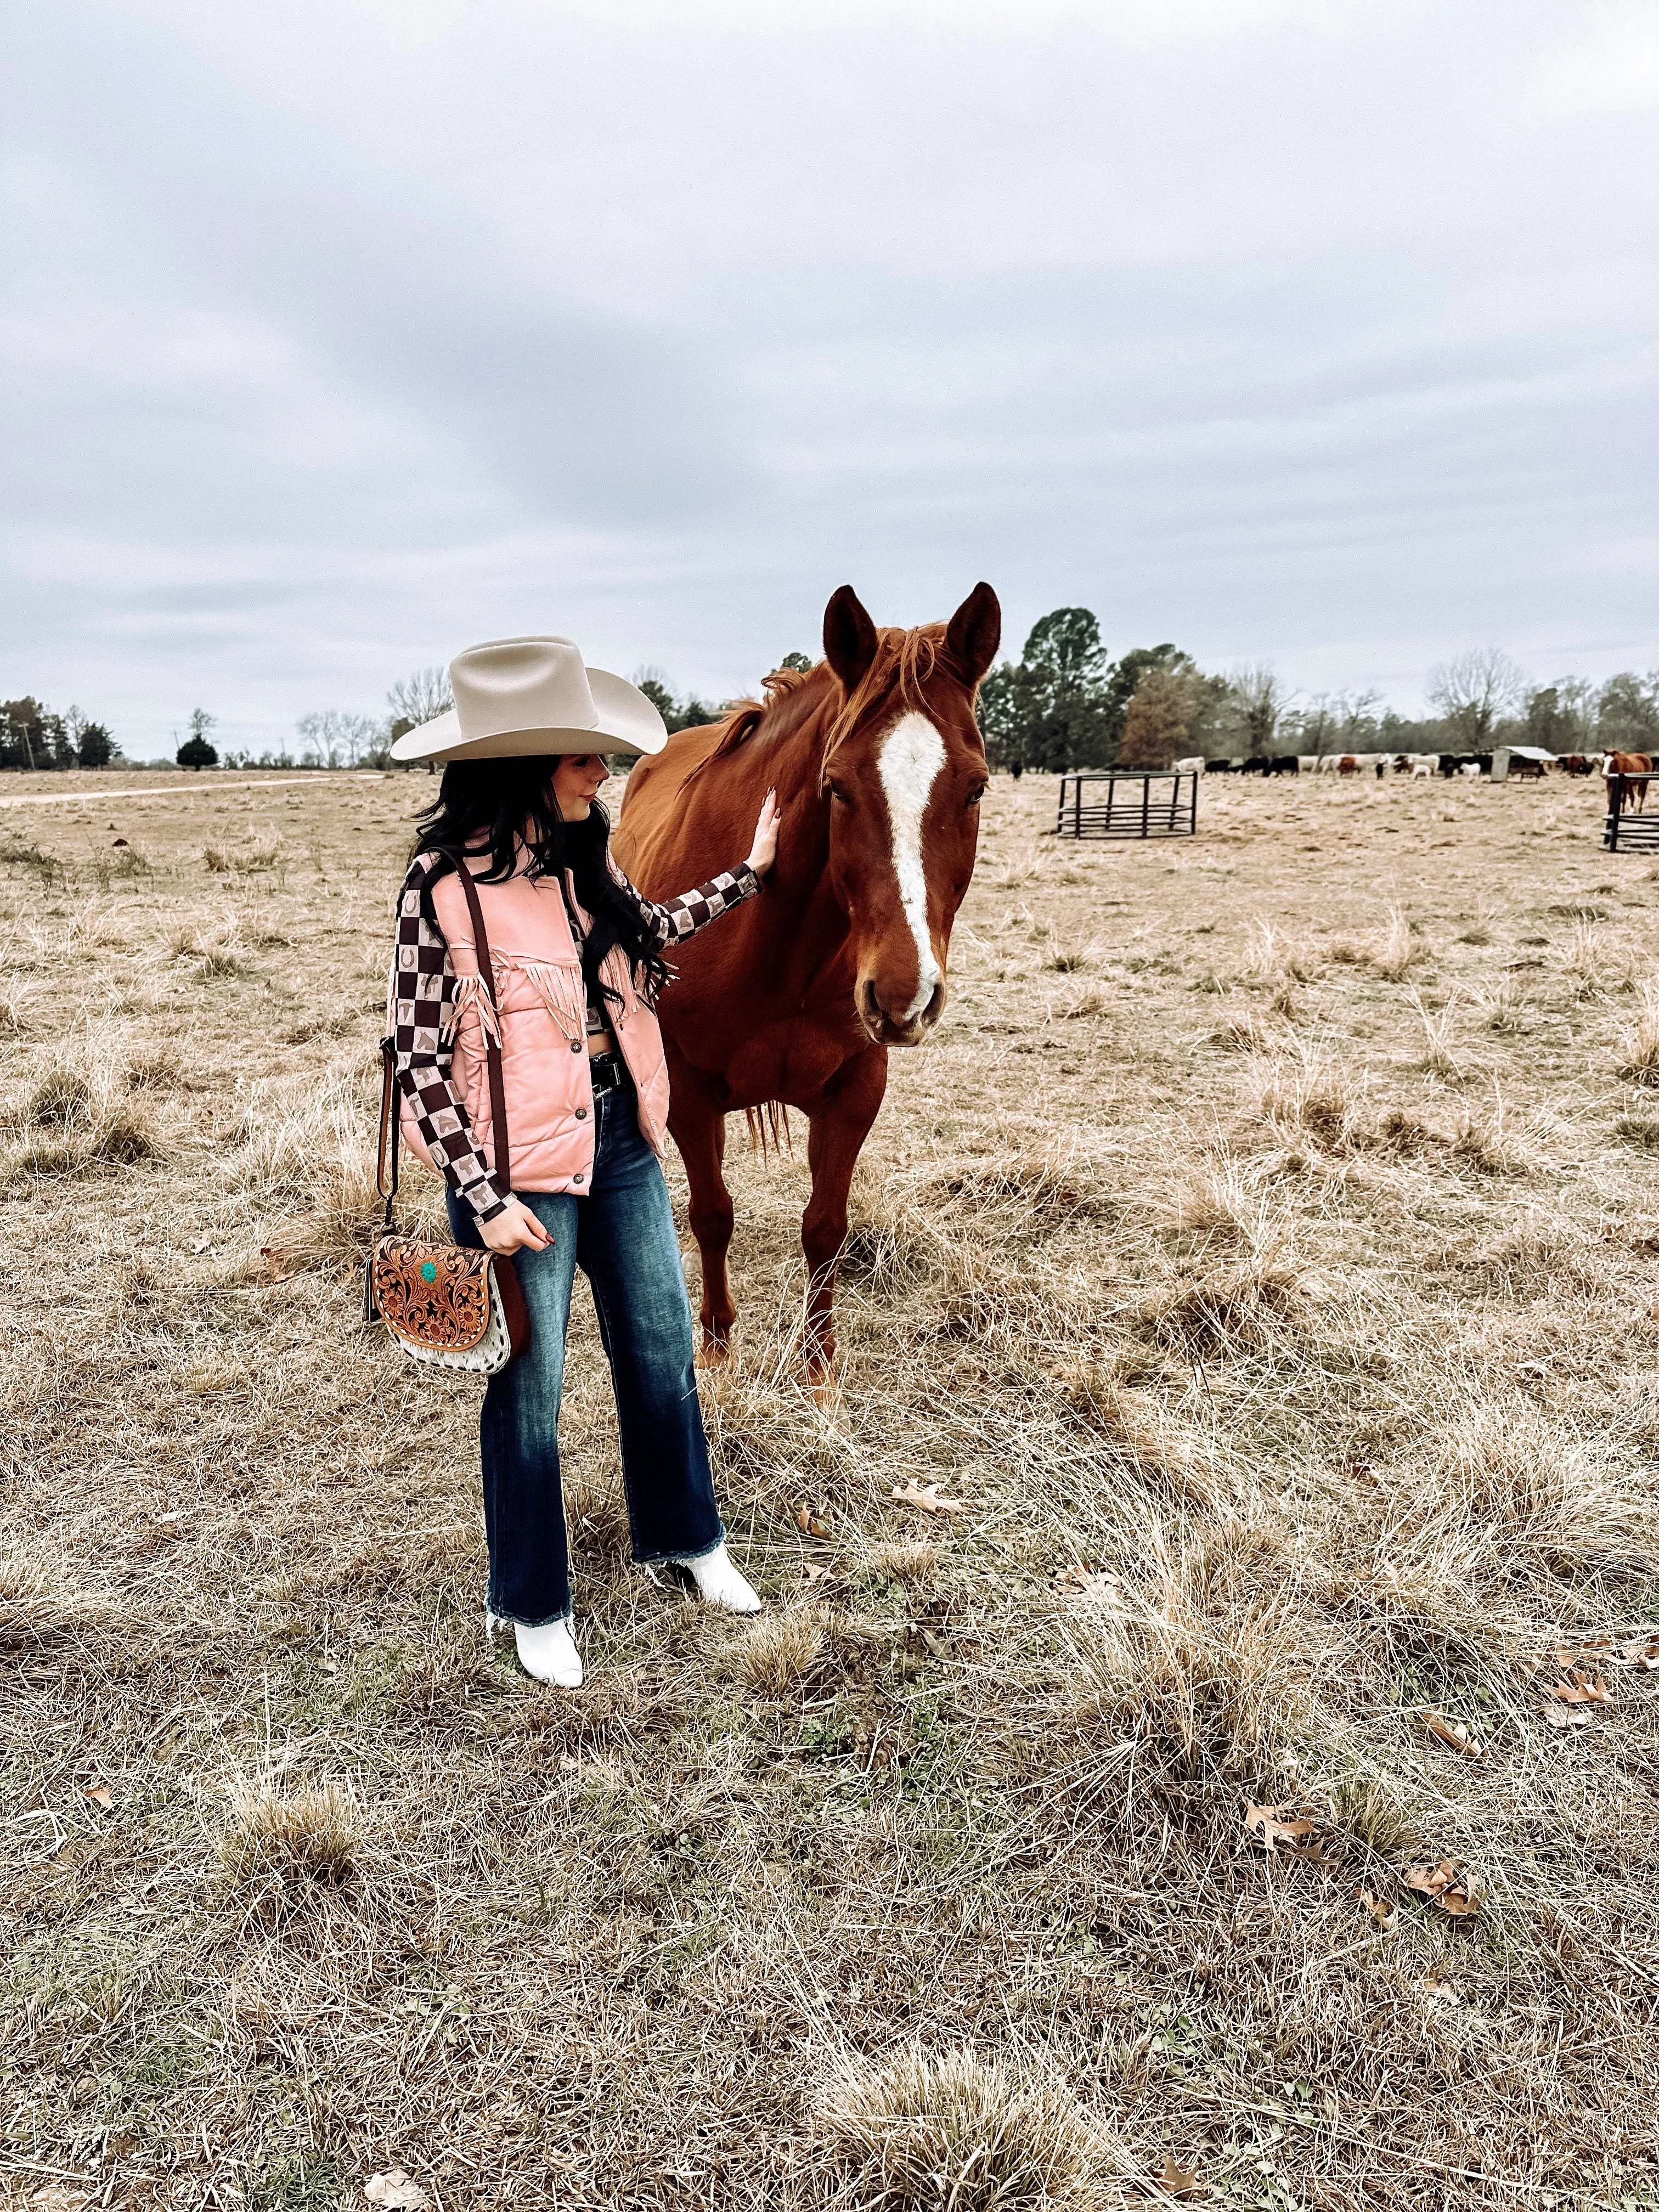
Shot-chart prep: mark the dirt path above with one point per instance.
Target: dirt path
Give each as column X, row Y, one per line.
column 176, row 790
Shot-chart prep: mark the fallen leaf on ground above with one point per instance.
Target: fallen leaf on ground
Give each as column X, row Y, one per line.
column 924, row 1496
column 1175, row 2181
column 1275, row 1826
column 1447, row 1883
column 276, row 1262
column 1583, row 1690
column 395, row 2191
column 1571, row 1655
column 1645, row 1652
column 1566, row 1715
column 1089, row 1582
column 809, row 1523
column 1457, row 1733
column 103, row 1794
column 1382, row 1910
column 1442, row 1991
column 811, row 1570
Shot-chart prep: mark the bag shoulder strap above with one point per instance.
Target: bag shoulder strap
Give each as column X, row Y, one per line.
column 492, row 1049
column 385, row 1159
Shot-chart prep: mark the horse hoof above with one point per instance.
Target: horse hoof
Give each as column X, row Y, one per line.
column 716, row 1351
column 822, row 1378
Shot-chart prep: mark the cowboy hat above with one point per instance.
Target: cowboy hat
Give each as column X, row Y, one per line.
column 534, row 695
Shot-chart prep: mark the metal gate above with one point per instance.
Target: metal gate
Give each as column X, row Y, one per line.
column 1629, row 828
column 1117, row 803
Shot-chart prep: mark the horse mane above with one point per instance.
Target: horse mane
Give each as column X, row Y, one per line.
column 905, row 660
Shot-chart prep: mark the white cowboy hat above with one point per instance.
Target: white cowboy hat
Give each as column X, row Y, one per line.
column 534, row 695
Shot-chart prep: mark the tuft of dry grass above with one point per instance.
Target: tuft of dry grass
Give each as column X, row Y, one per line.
column 22, row 854
column 1640, row 1063
column 76, row 1118
column 928, row 2130
column 214, row 948
column 1439, row 1058
column 1244, row 1305
column 1311, row 1097
column 310, row 1151
column 1396, row 951
column 1128, row 1423
column 39, row 1603
column 911, row 1561
column 1503, row 1005
column 1592, row 968
column 252, row 859
column 776, row 1655
column 289, row 1836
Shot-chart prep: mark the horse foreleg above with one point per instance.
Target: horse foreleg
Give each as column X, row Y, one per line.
column 696, row 1122
column 838, row 1125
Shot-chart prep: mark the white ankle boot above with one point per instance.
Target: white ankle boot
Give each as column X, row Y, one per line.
column 719, row 1584
column 550, row 1653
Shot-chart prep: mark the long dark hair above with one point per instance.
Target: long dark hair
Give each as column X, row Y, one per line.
column 506, row 806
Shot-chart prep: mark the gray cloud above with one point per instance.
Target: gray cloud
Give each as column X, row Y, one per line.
column 336, row 338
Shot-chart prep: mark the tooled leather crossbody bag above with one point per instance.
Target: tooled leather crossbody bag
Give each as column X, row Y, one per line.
column 445, row 1303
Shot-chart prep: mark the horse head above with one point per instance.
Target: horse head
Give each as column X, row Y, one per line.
column 904, row 771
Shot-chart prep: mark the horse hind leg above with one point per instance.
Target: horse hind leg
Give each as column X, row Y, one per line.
column 697, row 1124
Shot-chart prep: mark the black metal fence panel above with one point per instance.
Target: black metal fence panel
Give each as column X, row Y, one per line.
column 1113, row 802
column 1629, row 828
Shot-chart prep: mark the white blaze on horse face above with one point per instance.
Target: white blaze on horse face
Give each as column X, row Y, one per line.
column 912, row 755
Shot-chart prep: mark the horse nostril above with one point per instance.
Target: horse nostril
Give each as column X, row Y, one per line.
column 872, row 1005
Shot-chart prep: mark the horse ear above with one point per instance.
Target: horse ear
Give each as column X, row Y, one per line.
column 975, row 632
column 849, row 639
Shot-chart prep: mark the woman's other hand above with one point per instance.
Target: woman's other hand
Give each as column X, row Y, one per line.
column 514, row 1229
column 764, row 850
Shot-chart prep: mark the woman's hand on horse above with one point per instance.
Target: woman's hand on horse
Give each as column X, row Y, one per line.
column 514, row 1229
column 764, row 850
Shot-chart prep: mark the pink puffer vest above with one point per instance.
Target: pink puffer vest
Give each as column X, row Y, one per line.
column 540, row 1016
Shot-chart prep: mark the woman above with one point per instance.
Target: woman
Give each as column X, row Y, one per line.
column 576, row 953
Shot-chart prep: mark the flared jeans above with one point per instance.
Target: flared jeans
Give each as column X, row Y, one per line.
column 622, row 1236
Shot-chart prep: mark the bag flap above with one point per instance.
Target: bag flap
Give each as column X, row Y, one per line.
column 437, row 1296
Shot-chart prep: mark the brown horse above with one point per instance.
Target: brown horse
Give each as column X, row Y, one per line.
column 1639, row 765
column 879, row 768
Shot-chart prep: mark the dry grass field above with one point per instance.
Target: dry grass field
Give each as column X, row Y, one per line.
column 1257, row 1774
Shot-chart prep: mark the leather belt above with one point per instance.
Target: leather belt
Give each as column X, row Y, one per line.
column 609, row 1073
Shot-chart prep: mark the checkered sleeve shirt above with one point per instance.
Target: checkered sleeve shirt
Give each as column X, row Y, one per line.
column 684, row 916
column 423, row 1007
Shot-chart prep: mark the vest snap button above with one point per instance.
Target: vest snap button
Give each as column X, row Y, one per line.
column 581, row 1113
column 576, row 1047
column 578, row 1177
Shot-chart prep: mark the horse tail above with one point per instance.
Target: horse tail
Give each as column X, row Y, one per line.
column 768, row 1128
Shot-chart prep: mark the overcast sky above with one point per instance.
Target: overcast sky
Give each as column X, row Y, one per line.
column 341, row 334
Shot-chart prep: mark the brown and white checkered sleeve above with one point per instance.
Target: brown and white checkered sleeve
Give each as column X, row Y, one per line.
column 423, row 1007
column 682, row 917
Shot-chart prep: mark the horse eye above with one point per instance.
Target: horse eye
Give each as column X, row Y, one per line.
column 976, row 794
column 838, row 791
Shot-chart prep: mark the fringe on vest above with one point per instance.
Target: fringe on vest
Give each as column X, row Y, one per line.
column 558, row 985
column 470, row 991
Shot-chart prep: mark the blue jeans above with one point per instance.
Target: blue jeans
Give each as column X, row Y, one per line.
column 622, row 1236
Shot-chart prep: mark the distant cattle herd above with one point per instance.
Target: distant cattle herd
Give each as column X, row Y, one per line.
column 1512, row 762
